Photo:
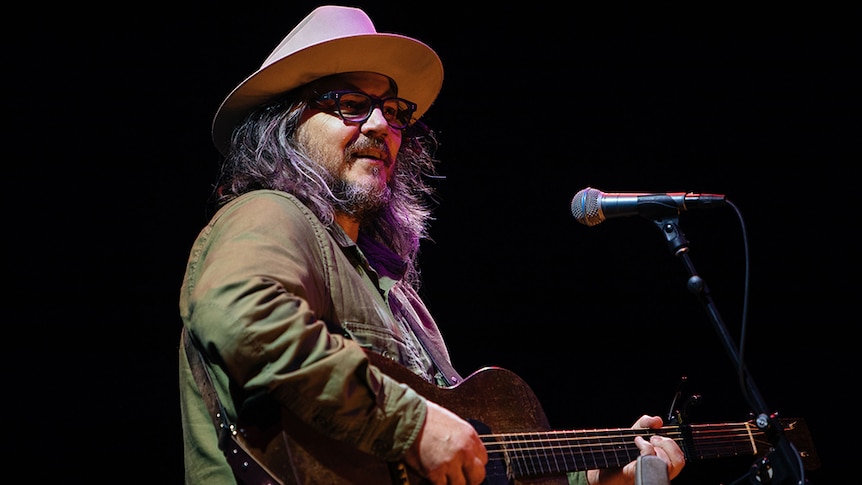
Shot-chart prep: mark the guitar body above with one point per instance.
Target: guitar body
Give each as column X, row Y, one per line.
column 493, row 399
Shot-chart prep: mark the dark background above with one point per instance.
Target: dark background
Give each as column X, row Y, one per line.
column 112, row 165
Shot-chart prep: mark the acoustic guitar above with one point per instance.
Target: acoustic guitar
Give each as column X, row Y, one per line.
column 522, row 449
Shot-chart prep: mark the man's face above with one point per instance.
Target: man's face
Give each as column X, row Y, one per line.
column 359, row 155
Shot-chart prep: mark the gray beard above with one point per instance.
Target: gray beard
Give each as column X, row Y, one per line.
column 360, row 202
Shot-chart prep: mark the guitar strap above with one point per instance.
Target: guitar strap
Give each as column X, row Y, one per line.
column 450, row 375
column 245, row 467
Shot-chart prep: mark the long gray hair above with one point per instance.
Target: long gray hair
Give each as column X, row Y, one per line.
column 264, row 155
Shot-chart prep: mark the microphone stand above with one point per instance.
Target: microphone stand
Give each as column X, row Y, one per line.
column 782, row 464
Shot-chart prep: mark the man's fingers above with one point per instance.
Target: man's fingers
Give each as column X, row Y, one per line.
column 645, row 447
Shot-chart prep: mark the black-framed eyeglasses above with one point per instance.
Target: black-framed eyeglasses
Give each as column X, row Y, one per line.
column 357, row 107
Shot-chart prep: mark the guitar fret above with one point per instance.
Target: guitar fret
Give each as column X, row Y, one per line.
column 562, row 454
column 519, row 460
column 540, row 451
column 583, row 458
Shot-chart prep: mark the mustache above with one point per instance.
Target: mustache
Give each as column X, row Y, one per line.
column 365, row 146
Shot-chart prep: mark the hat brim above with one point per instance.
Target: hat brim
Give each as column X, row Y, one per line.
column 415, row 68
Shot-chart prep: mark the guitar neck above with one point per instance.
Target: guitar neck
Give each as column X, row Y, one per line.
column 555, row 452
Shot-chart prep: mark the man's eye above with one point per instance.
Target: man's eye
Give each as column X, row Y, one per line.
column 353, row 106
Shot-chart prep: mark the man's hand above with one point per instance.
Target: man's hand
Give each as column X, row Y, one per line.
column 448, row 449
column 661, row 446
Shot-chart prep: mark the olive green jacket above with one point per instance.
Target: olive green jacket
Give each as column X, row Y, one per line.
column 285, row 308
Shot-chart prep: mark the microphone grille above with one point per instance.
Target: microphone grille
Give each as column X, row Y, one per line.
column 585, row 207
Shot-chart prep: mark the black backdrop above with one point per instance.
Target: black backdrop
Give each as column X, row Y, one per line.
column 112, row 166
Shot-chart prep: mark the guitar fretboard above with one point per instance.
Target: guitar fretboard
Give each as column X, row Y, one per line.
column 554, row 452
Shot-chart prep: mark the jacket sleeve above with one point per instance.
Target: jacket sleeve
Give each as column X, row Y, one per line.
column 253, row 296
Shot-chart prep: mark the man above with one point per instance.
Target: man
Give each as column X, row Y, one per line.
column 302, row 288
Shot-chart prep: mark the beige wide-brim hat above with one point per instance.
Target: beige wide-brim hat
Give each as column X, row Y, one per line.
column 332, row 40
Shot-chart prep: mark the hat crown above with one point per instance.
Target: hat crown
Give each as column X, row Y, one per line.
column 322, row 24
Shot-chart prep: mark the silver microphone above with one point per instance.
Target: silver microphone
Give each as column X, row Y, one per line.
column 591, row 206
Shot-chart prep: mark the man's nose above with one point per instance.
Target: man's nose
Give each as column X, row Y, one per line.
column 376, row 121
